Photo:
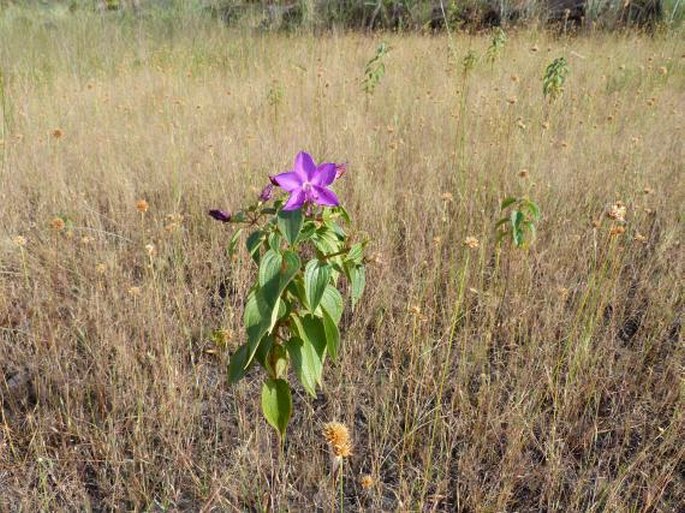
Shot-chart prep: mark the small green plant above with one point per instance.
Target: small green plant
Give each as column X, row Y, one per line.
column 518, row 222
column 375, row 69
column 294, row 307
column 499, row 39
column 469, row 62
column 554, row 79
column 274, row 97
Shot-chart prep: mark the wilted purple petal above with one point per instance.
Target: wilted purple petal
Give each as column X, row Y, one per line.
column 289, row 181
column 220, row 215
column 296, row 200
column 340, row 170
column 325, row 196
column 304, row 166
column 325, row 174
column 267, row 193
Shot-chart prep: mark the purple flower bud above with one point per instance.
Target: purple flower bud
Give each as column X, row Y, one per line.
column 267, row 193
column 220, row 215
column 340, row 170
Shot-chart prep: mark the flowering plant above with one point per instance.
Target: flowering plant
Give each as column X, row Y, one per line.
column 293, row 310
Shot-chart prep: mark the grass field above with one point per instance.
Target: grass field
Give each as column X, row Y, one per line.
column 472, row 379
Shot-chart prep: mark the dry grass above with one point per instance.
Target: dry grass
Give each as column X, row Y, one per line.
column 563, row 389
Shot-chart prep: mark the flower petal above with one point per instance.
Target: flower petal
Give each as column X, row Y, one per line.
column 220, row 215
column 304, row 166
column 326, row 197
column 325, row 174
column 289, row 181
column 295, row 201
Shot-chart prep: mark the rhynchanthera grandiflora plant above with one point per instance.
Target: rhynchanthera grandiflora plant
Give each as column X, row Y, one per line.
column 294, row 307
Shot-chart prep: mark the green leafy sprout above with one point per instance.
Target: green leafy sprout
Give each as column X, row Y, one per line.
column 518, row 221
column 554, row 78
column 375, row 69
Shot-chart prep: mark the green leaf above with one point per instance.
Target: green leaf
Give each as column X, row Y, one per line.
column 254, row 241
column 297, row 289
column 344, row 214
column 307, row 230
column 357, row 275
column 332, row 302
column 277, row 361
column 290, row 224
column 234, row 242
column 263, row 350
column 533, row 209
column 238, row 366
column 257, row 320
column 277, row 404
column 276, row 271
column 310, row 329
column 316, row 277
column 275, row 241
column 332, row 335
column 355, row 253
column 306, row 363
column 270, row 275
column 327, row 241
column 508, row 201
column 516, row 232
column 336, row 229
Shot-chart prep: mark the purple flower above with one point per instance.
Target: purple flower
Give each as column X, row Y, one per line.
column 220, row 215
column 307, row 183
column 267, row 193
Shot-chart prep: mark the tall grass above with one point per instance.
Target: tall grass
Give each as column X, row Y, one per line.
column 473, row 379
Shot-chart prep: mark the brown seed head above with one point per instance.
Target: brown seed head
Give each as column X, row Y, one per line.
column 57, row 133
column 640, row 238
column 367, row 481
column 58, row 224
column 617, row 230
column 142, row 206
column 471, row 242
column 338, row 437
column 617, row 212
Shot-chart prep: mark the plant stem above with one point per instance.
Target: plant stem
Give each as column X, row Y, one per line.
column 342, row 496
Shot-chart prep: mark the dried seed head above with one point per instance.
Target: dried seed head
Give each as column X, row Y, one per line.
column 523, row 173
column 617, row 212
column 471, row 242
column 367, row 481
column 58, row 224
column 338, row 437
column 414, row 310
column 57, row 133
column 617, row 230
column 20, row 241
column 142, row 206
